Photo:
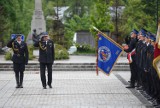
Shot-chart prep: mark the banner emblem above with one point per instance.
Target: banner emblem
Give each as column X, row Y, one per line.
column 104, row 54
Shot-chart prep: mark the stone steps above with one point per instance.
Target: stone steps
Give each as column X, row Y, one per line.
column 65, row 67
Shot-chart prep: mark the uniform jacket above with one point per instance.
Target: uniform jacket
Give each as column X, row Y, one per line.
column 46, row 51
column 131, row 47
column 149, row 57
column 20, row 51
column 138, row 51
column 143, row 54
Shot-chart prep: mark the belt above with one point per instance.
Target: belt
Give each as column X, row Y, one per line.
column 18, row 55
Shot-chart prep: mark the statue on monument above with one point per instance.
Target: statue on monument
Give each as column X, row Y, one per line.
column 35, row 36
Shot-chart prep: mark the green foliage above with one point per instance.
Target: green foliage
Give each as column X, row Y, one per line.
column 85, row 48
column 77, row 23
column 15, row 17
column 78, row 18
column 47, row 7
column 61, row 52
column 135, row 17
column 30, row 50
column 49, row 24
column 100, row 16
column 8, row 55
column 78, row 7
column 57, row 31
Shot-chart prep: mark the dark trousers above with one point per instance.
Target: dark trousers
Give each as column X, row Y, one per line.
column 19, row 72
column 139, row 80
column 43, row 75
column 133, row 68
column 148, row 84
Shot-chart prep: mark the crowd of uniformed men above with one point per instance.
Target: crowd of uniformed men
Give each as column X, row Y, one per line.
column 144, row 77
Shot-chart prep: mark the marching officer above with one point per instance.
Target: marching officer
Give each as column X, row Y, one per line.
column 46, row 58
column 19, row 58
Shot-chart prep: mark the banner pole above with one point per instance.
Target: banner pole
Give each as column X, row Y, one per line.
column 97, row 55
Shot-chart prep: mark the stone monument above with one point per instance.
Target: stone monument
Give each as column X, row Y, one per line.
column 38, row 21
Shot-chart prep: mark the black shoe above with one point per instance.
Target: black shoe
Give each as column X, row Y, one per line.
column 21, row 86
column 44, row 87
column 50, row 86
column 139, row 88
column 158, row 106
column 130, row 86
column 155, row 103
column 150, row 99
column 17, row 86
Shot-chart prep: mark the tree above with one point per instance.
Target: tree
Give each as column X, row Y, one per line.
column 135, row 18
column 15, row 17
column 152, row 10
column 100, row 15
column 77, row 17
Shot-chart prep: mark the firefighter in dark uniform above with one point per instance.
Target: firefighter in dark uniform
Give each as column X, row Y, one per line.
column 155, row 82
column 19, row 58
column 131, row 49
column 148, row 64
column 142, row 61
column 46, row 58
column 138, row 54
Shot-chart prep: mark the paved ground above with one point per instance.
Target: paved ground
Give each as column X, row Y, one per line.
column 71, row 90
column 81, row 89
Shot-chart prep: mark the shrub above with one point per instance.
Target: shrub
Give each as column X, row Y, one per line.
column 30, row 51
column 85, row 48
column 61, row 52
column 8, row 55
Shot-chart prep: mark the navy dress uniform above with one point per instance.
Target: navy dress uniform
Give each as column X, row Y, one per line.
column 138, row 54
column 131, row 49
column 143, row 58
column 148, row 64
column 139, row 47
column 46, row 58
column 19, row 58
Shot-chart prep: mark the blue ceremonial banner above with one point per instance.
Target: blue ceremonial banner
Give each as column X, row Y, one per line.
column 13, row 36
column 108, row 53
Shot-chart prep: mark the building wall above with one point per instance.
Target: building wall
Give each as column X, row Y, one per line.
column 85, row 37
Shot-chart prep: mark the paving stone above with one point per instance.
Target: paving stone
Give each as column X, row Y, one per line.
column 70, row 90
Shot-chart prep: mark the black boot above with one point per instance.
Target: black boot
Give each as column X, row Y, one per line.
column 17, row 86
column 21, row 79
column 131, row 86
column 17, row 80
